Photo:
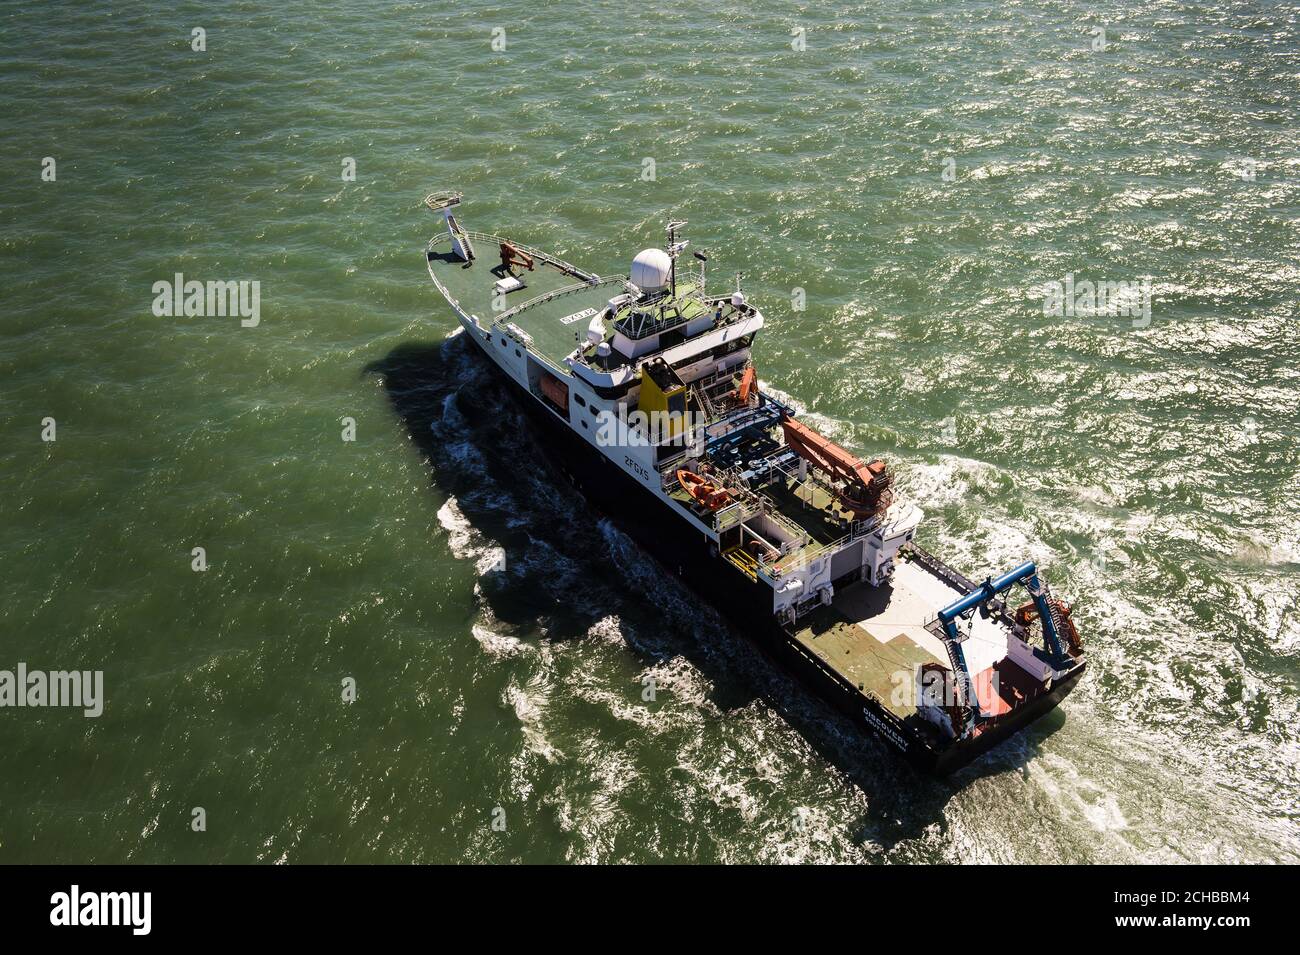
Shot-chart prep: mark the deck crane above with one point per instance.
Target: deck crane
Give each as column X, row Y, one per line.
column 862, row 487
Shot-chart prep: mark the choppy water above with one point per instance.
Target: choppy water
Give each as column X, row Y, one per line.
column 1152, row 470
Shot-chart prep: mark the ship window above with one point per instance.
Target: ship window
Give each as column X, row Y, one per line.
column 518, row 354
column 584, row 424
column 582, row 402
column 503, row 343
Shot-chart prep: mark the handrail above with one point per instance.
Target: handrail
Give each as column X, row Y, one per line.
column 508, row 328
column 556, row 293
column 437, row 201
column 951, row 576
column 814, row 551
column 637, row 331
column 446, row 293
column 589, row 277
column 712, row 304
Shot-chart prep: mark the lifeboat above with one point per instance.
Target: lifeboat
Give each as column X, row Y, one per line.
column 704, row 490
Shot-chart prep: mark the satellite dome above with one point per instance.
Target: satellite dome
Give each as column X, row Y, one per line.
column 651, row 269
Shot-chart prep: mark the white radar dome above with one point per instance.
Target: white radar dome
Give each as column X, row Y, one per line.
column 651, row 269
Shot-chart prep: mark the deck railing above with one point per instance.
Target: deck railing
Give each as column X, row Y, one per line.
column 537, row 254
column 437, row 240
column 557, row 293
column 814, row 551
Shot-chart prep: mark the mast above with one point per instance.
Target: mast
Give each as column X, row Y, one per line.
column 674, row 248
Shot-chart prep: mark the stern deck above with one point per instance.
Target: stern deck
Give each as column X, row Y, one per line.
column 876, row 638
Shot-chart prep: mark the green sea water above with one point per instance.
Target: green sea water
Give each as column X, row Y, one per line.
column 1151, row 468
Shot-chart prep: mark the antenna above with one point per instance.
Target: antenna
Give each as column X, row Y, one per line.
column 674, row 248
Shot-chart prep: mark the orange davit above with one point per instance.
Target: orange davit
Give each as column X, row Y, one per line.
column 866, row 489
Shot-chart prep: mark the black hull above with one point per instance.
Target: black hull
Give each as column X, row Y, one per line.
column 661, row 531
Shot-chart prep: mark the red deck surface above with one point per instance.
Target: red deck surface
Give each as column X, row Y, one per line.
column 1013, row 687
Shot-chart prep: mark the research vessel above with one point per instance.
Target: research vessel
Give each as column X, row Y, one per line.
column 644, row 389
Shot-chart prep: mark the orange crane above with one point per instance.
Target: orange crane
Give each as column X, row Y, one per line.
column 865, row 488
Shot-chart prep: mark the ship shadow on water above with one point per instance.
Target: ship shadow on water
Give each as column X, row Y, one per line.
column 468, row 428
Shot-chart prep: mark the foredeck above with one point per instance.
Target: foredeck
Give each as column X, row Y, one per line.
column 552, row 308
